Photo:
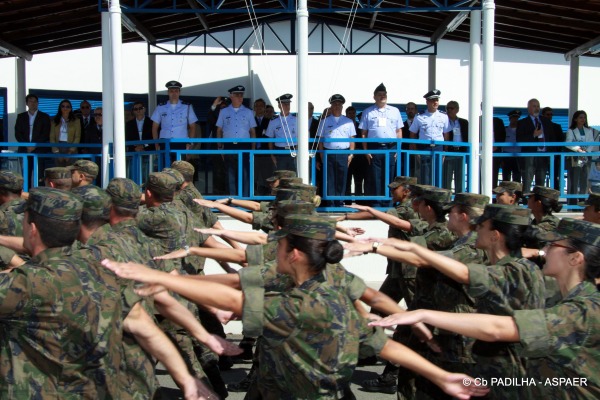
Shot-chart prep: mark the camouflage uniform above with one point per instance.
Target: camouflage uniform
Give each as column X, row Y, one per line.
column 512, row 284
column 11, row 224
column 86, row 167
column 549, row 222
column 562, row 341
column 59, row 318
column 310, row 334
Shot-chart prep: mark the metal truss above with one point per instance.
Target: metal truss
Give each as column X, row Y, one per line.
column 289, row 6
column 279, row 39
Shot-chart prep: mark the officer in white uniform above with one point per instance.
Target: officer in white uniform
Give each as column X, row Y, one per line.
column 284, row 126
column 430, row 125
column 236, row 122
column 175, row 119
column 336, row 126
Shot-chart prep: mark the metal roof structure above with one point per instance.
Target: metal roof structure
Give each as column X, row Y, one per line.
column 32, row 27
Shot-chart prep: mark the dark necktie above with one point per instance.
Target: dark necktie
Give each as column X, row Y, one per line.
column 86, row 122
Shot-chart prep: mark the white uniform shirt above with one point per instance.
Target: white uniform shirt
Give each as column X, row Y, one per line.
column 343, row 128
column 276, row 130
column 381, row 123
column 431, row 126
column 236, row 124
column 174, row 121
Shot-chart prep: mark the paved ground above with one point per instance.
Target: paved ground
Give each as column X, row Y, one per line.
column 239, row 371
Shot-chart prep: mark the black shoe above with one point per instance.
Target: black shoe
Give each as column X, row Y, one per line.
column 379, row 385
column 241, row 386
column 371, row 360
column 225, row 363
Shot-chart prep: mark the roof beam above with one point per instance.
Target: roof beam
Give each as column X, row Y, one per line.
column 132, row 24
column 593, row 47
column 201, row 18
column 11, row 49
column 450, row 24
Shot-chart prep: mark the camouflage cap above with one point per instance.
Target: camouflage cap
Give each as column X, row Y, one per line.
column 438, row 195
column 185, row 168
column 592, row 200
column 304, row 192
column 470, row 200
column 176, row 175
column 286, row 182
column 96, row 202
column 308, row 226
column 284, row 194
column 417, row 189
column 87, row 167
column 288, row 207
column 124, row 193
column 544, row 191
column 161, row 183
column 57, row 173
column 402, row 181
column 283, row 173
column 52, row 203
column 10, row 180
column 505, row 213
column 508, row 185
column 569, row 228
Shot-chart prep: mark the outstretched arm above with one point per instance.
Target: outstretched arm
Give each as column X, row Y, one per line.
column 246, row 237
column 247, row 204
column 231, row 211
column 200, row 292
column 218, row 254
column 453, row 384
column 490, row 328
column 385, row 217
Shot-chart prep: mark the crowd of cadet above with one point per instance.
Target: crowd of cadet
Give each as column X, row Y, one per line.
column 98, row 285
column 348, row 173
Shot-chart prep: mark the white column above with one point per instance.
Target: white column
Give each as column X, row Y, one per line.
column 108, row 111
column 475, row 101
column 573, row 86
column 151, row 83
column 118, row 101
column 488, row 107
column 302, row 62
column 431, row 75
column 20, row 86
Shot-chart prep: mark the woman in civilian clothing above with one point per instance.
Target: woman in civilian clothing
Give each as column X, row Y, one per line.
column 65, row 128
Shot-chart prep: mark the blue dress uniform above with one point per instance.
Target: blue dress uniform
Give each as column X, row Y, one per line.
column 337, row 164
column 285, row 128
column 381, row 123
column 430, row 126
column 237, row 123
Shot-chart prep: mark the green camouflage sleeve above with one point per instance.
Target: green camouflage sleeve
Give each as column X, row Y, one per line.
column 261, row 220
column 252, row 284
column 6, row 256
column 254, row 255
column 355, row 286
column 14, row 293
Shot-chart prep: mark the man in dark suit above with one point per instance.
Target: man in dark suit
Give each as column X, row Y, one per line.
column 454, row 166
column 559, row 136
column 139, row 128
column 535, row 128
column 33, row 126
column 411, row 111
column 85, row 115
column 263, row 166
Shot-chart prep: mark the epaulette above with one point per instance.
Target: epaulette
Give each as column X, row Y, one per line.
column 274, row 117
column 162, row 104
column 185, row 102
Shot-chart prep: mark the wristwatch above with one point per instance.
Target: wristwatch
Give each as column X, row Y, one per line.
column 541, row 253
column 229, row 200
column 187, row 250
column 375, row 246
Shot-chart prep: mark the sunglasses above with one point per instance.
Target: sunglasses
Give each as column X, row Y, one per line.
column 554, row 244
column 138, row 108
column 97, row 115
column 85, row 107
column 65, row 106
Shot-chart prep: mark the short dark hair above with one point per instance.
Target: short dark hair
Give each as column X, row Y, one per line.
column 261, row 100
column 62, row 184
column 545, row 109
column 93, row 222
column 136, row 103
column 124, row 212
column 54, row 233
column 29, row 96
column 163, row 198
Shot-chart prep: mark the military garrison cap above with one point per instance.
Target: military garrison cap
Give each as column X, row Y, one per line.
column 380, row 88
column 436, row 194
column 544, row 191
column 508, row 185
column 284, row 99
column 592, row 200
column 96, row 202
column 337, row 97
column 87, row 167
column 161, row 183
column 304, row 192
column 470, row 200
column 10, row 180
column 282, row 173
column 289, row 207
column 285, row 183
column 185, row 168
column 432, row 94
column 124, row 193
column 173, row 84
column 176, row 175
column 237, row 89
column 308, row 226
column 568, row 228
column 417, row 189
column 57, row 173
column 52, row 203
column 505, row 213
column 514, row 113
column 402, row 181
